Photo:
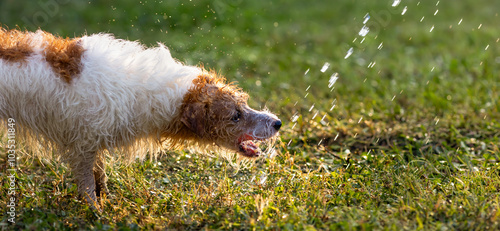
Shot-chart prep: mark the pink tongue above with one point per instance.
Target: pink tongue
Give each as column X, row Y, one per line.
column 249, row 148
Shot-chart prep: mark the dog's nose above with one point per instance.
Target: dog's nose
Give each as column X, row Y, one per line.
column 277, row 125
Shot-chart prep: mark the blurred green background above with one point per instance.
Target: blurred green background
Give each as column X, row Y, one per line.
column 267, row 46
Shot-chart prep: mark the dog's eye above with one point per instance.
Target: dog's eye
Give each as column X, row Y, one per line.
column 236, row 117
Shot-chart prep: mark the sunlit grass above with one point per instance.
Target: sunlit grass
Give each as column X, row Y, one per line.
column 411, row 142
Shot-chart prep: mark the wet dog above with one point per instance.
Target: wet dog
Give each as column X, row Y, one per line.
column 86, row 96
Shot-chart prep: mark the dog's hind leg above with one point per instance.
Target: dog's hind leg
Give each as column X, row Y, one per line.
column 100, row 176
column 83, row 170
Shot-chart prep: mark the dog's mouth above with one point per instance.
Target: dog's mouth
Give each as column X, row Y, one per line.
column 248, row 147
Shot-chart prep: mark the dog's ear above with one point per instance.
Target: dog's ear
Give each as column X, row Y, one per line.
column 194, row 117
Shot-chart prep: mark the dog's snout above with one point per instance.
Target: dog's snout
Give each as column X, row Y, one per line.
column 277, row 125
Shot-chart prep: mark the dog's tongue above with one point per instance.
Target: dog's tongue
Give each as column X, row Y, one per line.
column 249, row 148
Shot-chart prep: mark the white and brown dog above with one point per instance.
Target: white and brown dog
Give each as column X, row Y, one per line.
column 84, row 96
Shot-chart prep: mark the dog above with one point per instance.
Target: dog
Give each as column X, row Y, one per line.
column 88, row 96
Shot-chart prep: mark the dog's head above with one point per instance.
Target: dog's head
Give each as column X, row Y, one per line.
column 218, row 113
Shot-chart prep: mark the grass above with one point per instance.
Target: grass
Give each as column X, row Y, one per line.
column 412, row 142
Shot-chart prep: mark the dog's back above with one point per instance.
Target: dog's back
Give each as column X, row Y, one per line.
column 98, row 91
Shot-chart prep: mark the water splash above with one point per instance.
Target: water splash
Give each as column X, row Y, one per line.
column 273, row 154
column 263, row 179
column 333, row 106
column 310, row 109
column 371, row 64
column 307, row 71
column 364, row 31
column 349, row 53
column 367, row 17
column 314, row 116
column 325, row 67
column 323, row 118
column 404, row 10
column 333, row 79
column 380, row 46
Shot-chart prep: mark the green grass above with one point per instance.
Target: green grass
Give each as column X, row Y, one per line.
column 412, row 143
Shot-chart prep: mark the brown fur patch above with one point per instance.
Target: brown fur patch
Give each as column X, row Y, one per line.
column 210, row 96
column 64, row 55
column 14, row 45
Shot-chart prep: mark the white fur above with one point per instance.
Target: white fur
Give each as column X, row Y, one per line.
column 112, row 98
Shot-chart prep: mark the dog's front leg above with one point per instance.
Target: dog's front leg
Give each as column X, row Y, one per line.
column 100, row 177
column 83, row 170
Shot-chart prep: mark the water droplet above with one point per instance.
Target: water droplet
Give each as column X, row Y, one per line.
column 393, row 98
column 380, row 46
column 432, row 69
column 337, row 136
column 360, row 119
column 349, row 53
column 307, row 71
column 294, row 118
column 437, row 3
column 432, row 28
column 279, row 181
column 323, row 118
column 371, row 64
column 480, row 25
column 460, row 21
column 325, row 67
column 307, row 89
column 364, row 31
column 487, row 47
column 263, row 179
column 396, row 3
column 422, row 19
column 314, row 116
column 310, row 109
column 273, row 154
column 404, row 10
column 436, row 12
column 333, row 79
column 367, row 17
column 333, row 106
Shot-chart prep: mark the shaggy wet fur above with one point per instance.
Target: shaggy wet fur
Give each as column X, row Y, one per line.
column 92, row 95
